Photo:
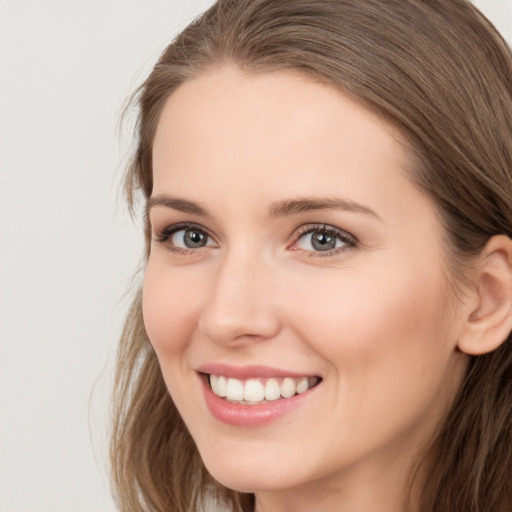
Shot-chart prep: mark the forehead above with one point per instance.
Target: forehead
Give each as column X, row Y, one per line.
column 265, row 103
column 273, row 135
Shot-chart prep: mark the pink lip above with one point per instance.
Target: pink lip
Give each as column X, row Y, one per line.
column 248, row 372
column 241, row 415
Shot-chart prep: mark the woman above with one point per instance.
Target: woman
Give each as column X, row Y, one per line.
column 325, row 315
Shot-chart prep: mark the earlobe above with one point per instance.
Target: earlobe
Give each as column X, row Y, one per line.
column 490, row 322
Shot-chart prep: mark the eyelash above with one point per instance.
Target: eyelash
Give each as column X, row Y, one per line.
column 349, row 240
column 169, row 231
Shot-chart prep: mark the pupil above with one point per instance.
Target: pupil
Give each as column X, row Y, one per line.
column 323, row 242
column 194, row 239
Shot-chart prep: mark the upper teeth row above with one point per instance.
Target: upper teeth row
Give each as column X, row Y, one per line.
column 256, row 390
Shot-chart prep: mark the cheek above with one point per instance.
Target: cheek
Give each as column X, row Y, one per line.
column 170, row 306
column 378, row 329
column 391, row 357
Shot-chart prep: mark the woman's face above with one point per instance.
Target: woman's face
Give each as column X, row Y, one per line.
column 291, row 255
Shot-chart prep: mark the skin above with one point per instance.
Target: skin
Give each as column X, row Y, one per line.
column 375, row 320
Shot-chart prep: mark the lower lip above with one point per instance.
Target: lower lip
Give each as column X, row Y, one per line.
column 241, row 415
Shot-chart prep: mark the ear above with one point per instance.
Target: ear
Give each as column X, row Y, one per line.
column 490, row 321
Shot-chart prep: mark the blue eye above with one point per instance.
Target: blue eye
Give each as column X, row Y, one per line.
column 327, row 239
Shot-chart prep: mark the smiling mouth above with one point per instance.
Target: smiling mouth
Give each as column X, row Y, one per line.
column 259, row 391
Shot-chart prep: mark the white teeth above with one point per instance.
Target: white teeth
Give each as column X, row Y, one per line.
column 272, row 390
column 235, row 389
column 302, row 385
column 222, row 386
column 254, row 391
column 288, row 388
column 214, row 383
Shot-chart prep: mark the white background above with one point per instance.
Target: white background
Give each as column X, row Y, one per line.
column 68, row 248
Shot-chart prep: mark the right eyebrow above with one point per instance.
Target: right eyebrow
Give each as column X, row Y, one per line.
column 176, row 203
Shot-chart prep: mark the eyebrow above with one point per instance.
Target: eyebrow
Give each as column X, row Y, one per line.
column 283, row 208
column 176, row 203
column 295, row 206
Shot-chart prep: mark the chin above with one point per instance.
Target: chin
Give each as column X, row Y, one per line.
column 240, row 475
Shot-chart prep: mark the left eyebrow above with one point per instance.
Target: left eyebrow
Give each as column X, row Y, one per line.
column 295, row 206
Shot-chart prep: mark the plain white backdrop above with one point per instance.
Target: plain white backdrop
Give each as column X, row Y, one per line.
column 68, row 248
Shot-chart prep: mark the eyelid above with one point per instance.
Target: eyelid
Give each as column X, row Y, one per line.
column 163, row 235
column 347, row 238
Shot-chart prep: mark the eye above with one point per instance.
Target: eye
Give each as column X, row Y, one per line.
column 323, row 239
column 189, row 239
column 184, row 237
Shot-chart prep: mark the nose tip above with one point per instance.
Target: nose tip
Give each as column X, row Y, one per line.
column 233, row 327
column 240, row 310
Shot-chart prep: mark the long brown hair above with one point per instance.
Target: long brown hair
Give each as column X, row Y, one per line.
column 437, row 70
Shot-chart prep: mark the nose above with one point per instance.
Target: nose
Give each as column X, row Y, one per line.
column 241, row 305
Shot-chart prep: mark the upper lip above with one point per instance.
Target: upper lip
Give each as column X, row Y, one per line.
column 248, row 372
